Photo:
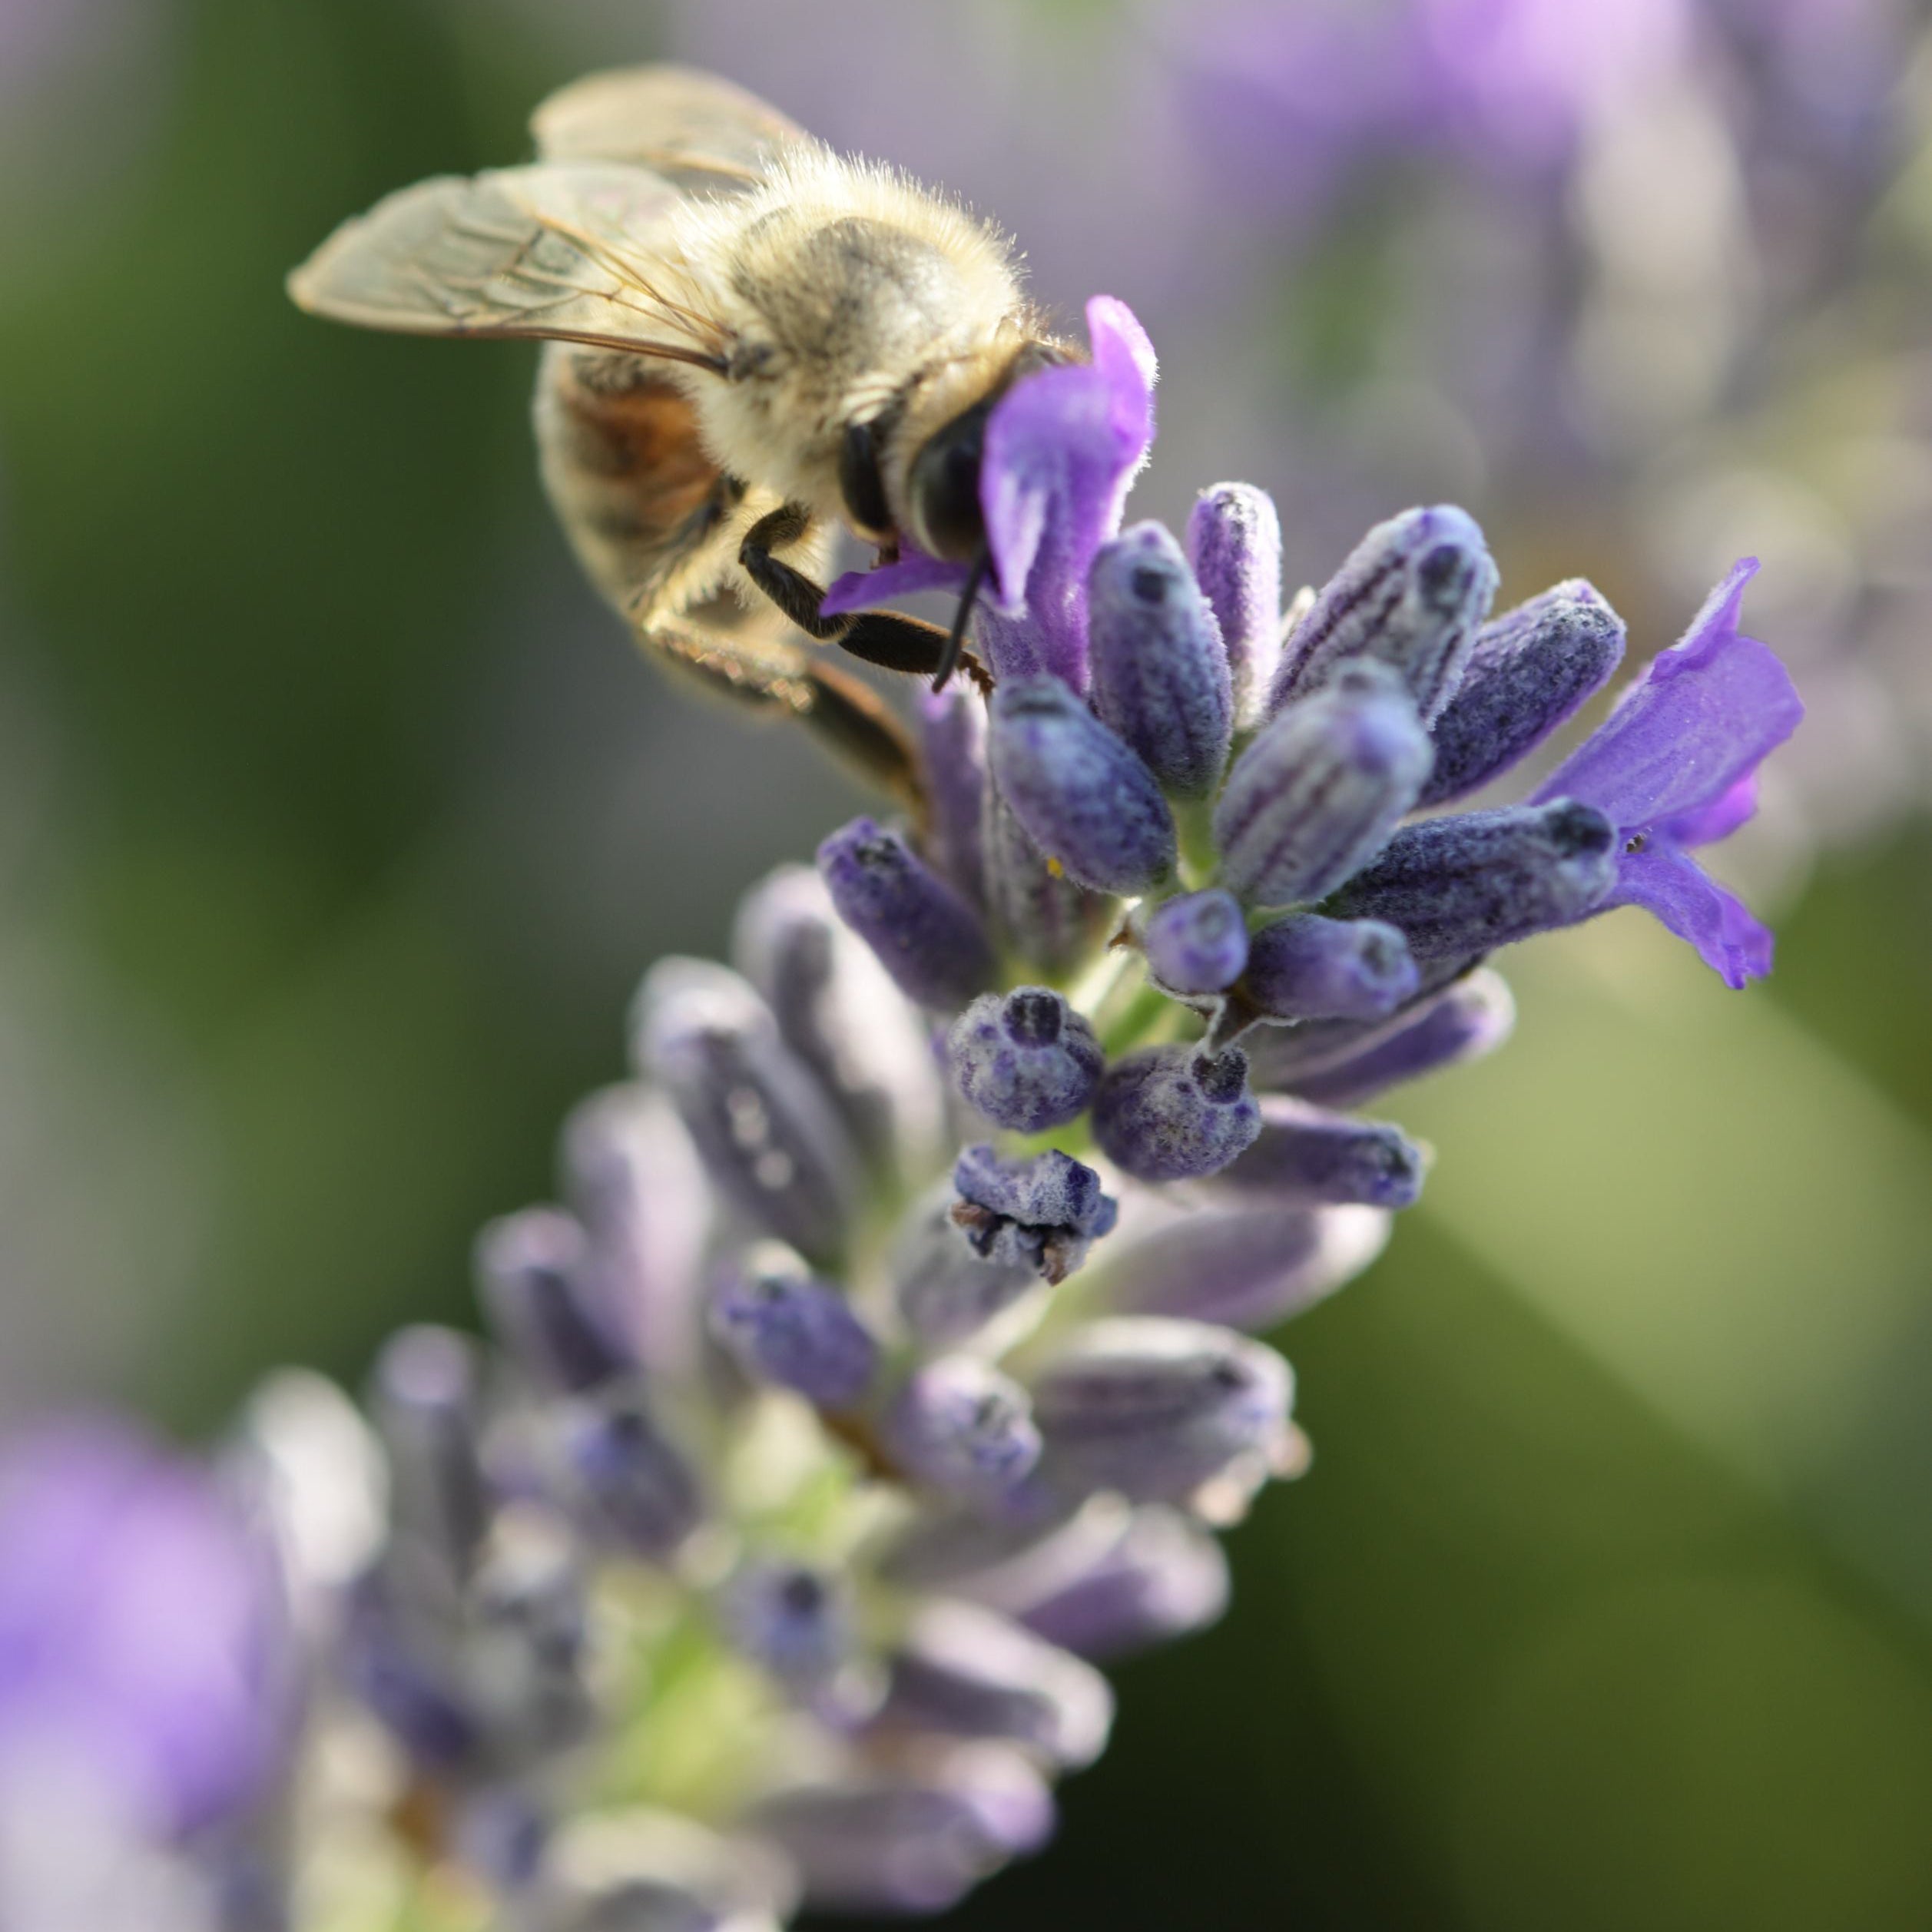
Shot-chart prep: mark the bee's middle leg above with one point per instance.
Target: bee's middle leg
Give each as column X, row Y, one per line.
column 881, row 638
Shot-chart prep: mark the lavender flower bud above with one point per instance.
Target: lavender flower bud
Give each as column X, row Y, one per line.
column 1084, row 796
column 960, row 1426
column 1306, row 1157
column 926, row 934
column 1243, row 1268
column 1460, row 886
column 528, row 1627
column 766, row 1133
column 1234, row 546
column 785, row 1325
column 1411, row 594
column 945, row 1292
column 626, row 1484
column 1174, row 1113
column 961, row 1671
column 1027, row 1061
column 1159, row 673
column 531, row 1270
column 1156, row 1409
column 1306, row 967
column 637, row 1189
column 1196, row 943
column 953, row 744
column 1529, row 671
column 838, row 1010
column 428, row 1410
column 1165, row 1576
column 1320, row 791
column 1040, row 913
column 1007, row 1562
column 1040, row 1213
column 1469, row 1020
column 794, row 1621
column 412, row 1686
column 914, row 1842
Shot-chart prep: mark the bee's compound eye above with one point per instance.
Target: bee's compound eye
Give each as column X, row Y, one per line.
column 859, row 482
column 945, row 488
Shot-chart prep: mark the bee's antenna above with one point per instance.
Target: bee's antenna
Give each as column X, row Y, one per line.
column 956, row 637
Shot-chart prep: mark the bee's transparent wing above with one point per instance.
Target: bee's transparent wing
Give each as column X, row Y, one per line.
column 576, row 254
column 690, row 127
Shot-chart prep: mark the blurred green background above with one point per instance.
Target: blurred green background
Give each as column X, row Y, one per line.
column 337, row 821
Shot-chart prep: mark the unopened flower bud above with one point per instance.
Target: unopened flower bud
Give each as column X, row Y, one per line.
column 1159, row 671
column 1304, row 1156
column 1084, row 796
column 1530, row 670
column 1320, row 789
column 1469, row 1020
column 953, row 744
column 1197, row 943
column 1306, row 967
column 1234, row 546
column 1411, row 594
column 1026, row 1060
column 427, row 1401
column 1040, row 1213
column 533, row 1278
column 627, row 1484
column 786, row 1326
column 1164, row 1576
column 961, row 1427
column 1037, row 910
column 924, row 932
column 944, row 1291
column 1174, row 1113
column 1462, row 886
column 794, row 1620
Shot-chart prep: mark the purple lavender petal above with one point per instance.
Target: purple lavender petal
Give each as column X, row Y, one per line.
column 1305, row 1157
column 1159, row 670
column 1061, row 447
column 1083, row 795
column 1176, row 1113
column 953, row 744
column 1196, row 943
column 864, row 590
column 1308, row 967
column 1027, row 1060
column 1234, row 548
column 1677, row 890
column 1165, row 1577
column 925, row 933
column 786, row 1325
column 1718, row 819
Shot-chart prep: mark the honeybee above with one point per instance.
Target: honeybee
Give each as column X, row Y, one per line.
column 747, row 338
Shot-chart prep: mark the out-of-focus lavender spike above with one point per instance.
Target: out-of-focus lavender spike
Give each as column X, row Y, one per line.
column 637, row 1189
column 1305, row 1156
column 426, row 1394
column 1242, row 1267
column 627, row 1484
column 794, row 1619
column 533, row 1279
column 1308, row 967
column 1040, row 1213
column 917, row 1840
column 786, row 1325
column 1234, row 546
column 962, row 1671
column 946, row 1294
column 1470, row 1019
column 1157, row 1408
column 961, row 1427
column 1164, row 1577
column 1027, row 1060
column 926, row 934
column 1197, row 943
column 1412, row 595
column 412, row 1686
column 1175, row 1113
column 1321, row 788
column 769, row 1136
column 1039, row 912
column 1459, row 887
column 1083, row 795
column 1159, row 670
column 1529, row 671
column 839, row 1011
column 952, row 740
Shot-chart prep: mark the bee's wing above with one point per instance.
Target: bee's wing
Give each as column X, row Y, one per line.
column 581, row 253
column 691, row 127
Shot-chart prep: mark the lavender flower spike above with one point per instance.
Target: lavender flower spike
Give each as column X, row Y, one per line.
column 1027, row 1061
column 925, row 935
column 1175, row 1113
column 1306, row 967
column 1234, row 547
column 1196, row 943
column 1160, row 675
column 1084, row 796
column 1319, row 791
column 1675, row 767
column 1411, row 594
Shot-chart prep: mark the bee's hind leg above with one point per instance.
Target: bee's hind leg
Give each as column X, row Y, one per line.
column 881, row 638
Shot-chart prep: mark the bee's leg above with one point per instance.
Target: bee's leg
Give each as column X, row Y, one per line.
column 853, row 723
column 881, row 638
